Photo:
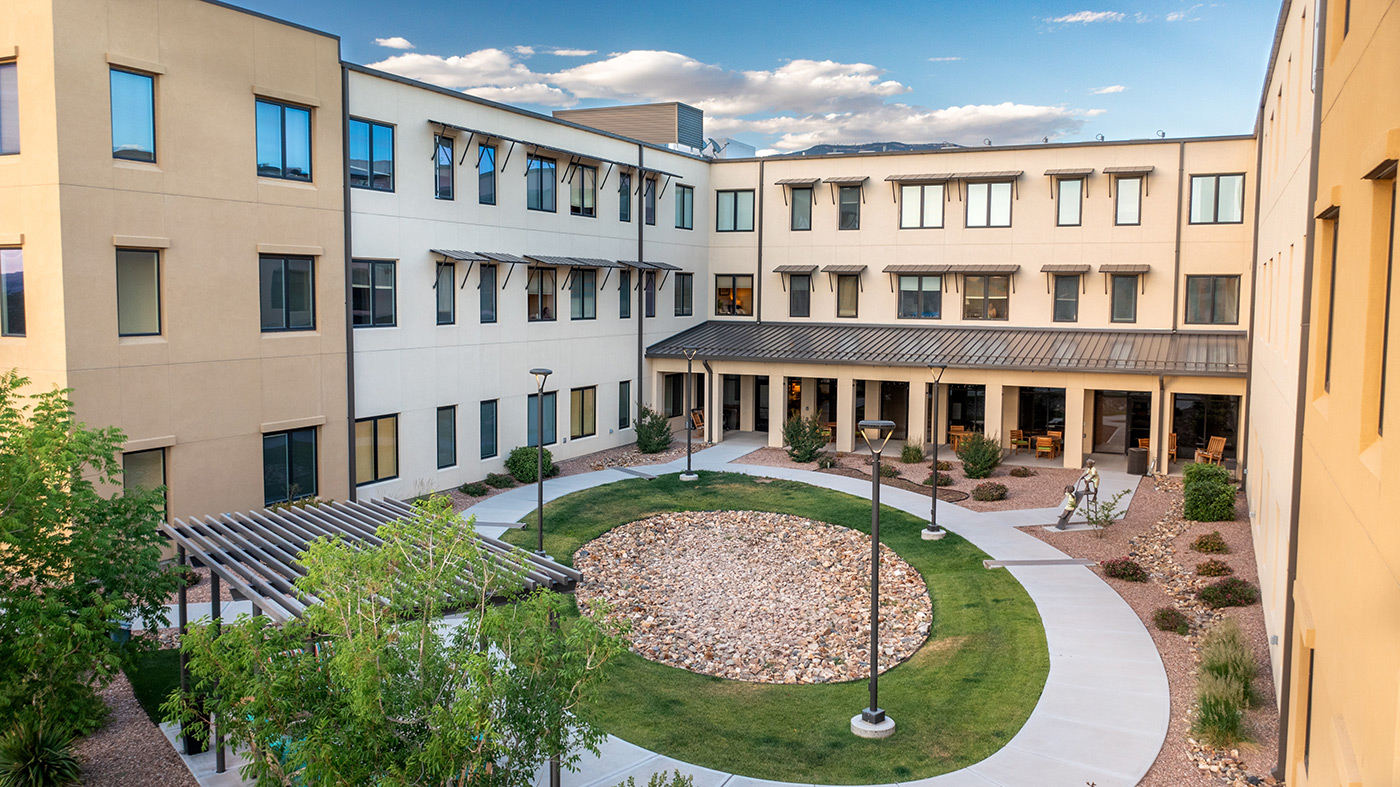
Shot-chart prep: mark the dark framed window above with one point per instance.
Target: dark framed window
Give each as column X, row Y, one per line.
column 9, row 108
column 734, row 211
column 802, row 200
column 489, row 445
column 146, row 470
column 624, row 294
column 848, row 207
column 1217, row 199
column 289, row 466
column 1069, row 202
column 921, row 206
column 800, row 295
column 624, row 197
column 486, row 174
column 685, row 294
column 1127, row 205
column 446, row 436
column 685, row 208
column 583, row 412
column 583, row 295
column 675, row 394
column 487, row 293
column 989, row 204
column 1066, row 298
column 444, row 167
column 986, row 297
column 1125, row 297
column 287, row 293
column 11, row 292
column 372, row 301
column 551, row 418
column 649, row 201
column 649, row 290
column 133, row 115
column 540, row 291
column 540, row 183
column 372, row 155
column 1331, row 303
column 734, row 295
column 1213, row 300
column 1308, row 697
column 1385, row 322
column 446, row 290
column 624, row 404
column 583, row 191
column 138, row 292
column 920, row 297
column 847, row 295
column 284, row 141
column 376, row 449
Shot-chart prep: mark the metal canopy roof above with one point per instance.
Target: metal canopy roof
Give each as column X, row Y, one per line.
column 1124, row 268
column 256, row 552
column 795, row 269
column 1201, row 353
column 464, row 256
column 844, row 269
column 1065, row 267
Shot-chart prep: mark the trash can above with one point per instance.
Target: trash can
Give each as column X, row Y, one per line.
column 1137, row 461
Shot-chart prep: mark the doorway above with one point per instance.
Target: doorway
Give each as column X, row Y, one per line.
column 729, row 402
column 794, row 398
column 894, row 406
column 966, row 406
column 760, row 400
column 1198, row 417
column 1121, row 419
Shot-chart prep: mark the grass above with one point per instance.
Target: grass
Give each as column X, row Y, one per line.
column 153, row 677
column 961, row 697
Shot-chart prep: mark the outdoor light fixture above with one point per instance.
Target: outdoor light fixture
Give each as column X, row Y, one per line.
column 932, row 532
column 540, row 376
column 690, row 353
column 872, row 721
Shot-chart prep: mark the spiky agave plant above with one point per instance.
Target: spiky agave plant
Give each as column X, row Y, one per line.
column 33, row 755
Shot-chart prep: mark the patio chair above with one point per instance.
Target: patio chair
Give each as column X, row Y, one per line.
column 1214, row 452
column 1044, row 445
column 1171, row 446
column 1019, row 441
column 1144, row 442
column 697, row 419
column 1058, row 438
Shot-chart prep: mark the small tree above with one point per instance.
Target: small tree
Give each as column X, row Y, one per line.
column 1101, row 513
column 523, row 464
column 980, row 454
column 654, row 433
column 805, row 438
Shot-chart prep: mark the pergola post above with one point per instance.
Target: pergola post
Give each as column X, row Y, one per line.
column 184, row 623
column 217, row 613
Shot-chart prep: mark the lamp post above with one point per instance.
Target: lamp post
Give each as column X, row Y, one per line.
column 932, row 532
column 540, row 376
column 690, row 353
column 872, row 721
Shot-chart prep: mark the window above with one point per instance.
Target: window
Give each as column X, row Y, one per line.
column 284, row 141
column 1385, row 322
column 1069, row 202
column 539, row 183
column 289, row 466
column 447, row 436
column 847, row 295
column 133, row 115
column 532, row 405
column 372, row 155
column 583, row 295
column 9, row 109
column 446, row 287
column 1331, row 304
column 1128, row 202
column 1125, row 294
column 734, row 211
column 921, row 206
column 800, row 295
column 1213, row 300
column 675, row 394
column 624, row 197
column 848, row 208
column 624, row 404
column 624, row 294
column 1308, row 701
column 12, row 285
column 986, row 297
column 920, row 297
column 138, row 292
column 488, row 429
column 486, row 174
column 734, row 295
column 1066, row 298
column 802, row 209
column 649, row 201
column 488, row 293
column 371, row 294
column 444, row 173
column 583, row 191
column 376, row 449
column 145, row 470
column 649, row 288
column 685, row 294
column 540, row 297
column 989, row 204
column 583, row 412
column 287, row 294
column 1217, row 199
column 685, row 208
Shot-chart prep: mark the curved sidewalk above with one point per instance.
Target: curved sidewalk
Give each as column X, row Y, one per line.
column 1102, row 716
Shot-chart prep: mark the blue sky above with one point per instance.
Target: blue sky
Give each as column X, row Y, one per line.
column 785, row 76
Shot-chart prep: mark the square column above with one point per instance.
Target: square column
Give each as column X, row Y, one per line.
column 777, row 409
column 747, row 406
column 1010, row 396
column 940, row 429
column 845, row 414
column 872, row 401
column 918, row 412
column 1159, row 432
column 1074, row 428
column 809, row 397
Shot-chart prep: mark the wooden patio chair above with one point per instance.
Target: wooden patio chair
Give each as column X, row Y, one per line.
column 1058, row 438
column 1214, row 452
column 1019, row 441
column 1145, row 442
column 1044, row 445
column 697, row 420
column 1171, row 446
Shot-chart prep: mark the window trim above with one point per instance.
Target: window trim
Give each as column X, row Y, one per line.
column 12, row 63
column 285, row 258
column 5, row 319
column 1331, row 304
column 733, row 287
column 986, row 297
column 495, row 428
column 532, row 409
column 848, row 278
column 841, row 192
column 807, row 287
column 1078, row 279
column 438, row 167
column 734, row 210
column 537, row 173
column 810, row 199
column 685, row 207
column 1010, row 205
column 160, row 317
column 1079, row 203
column 111, row 109
column 481, row 156
column 1113, row 296
column 899, row 290
column 1139, row 192
column 282, row 107
column 583, row 394
column 579, row 209
column 624, row 405
column 1186, row 305
column 685, row 295
column 537, row 275
column 374, row 266
column 1215, row 180
column 579, row 296
column 624, row 197
column 315, row 464
column 369, row 162
column 649, row 200
column 437, row 427
column 374, row 448
column 923, row 203
column 451, row 268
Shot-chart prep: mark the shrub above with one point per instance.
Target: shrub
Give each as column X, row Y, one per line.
column 889, row 471
column 1171, row 619
column 989, row 490
column 1212, row 544
column 1225, row 654
column 944, row 479
column 662, row 780
column 1021, row 471
column 1209, row 501
column 826, row 462
column 1220, row 711
column 1228, row 592
column 35, row 756
column 1101, row 512
column 187, row 575
column 1125, row 569
column 475, row 489
column 653, row 431
column 500, row 480
column 523, row 464
column 944, row 464
column 912, row 454
column 1214, row 568
column 805, row 438
column 1197, row 473
column 980, row 455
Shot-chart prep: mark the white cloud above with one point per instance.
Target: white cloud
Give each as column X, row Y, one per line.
column 1186, row 15
column 524, row 51
column 394, row 42
column 573, row 52
column 1103, row 91
column 1087, row 17
column 943, row 59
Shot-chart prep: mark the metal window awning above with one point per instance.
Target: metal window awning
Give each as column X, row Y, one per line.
column 1001, row 174
column 507, row 259
column 650, row 265
column 917, row 269
column 596, row 262
column 538, row 260
column 460, row 256
column 1125, row 268
column 847, row 180
column 1134, row 170
column 797, row 182
column 845, row 269
column 795, row 269
column 537, row 146
column 924, row 178
column 1065, row 267
column 1078, row 172
column 984, row 269
column 1382, row 171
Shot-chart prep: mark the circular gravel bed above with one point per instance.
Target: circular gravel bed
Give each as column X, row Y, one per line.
column 754, row 596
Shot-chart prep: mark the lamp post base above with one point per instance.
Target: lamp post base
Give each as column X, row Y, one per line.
column 932, row 535
column 541, row 553
column 864, row 729
column 690, row 477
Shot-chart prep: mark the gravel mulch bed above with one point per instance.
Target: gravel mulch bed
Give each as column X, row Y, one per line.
column 762, row 597
column 199, row 593
column 130, row 751
column 1154, row 534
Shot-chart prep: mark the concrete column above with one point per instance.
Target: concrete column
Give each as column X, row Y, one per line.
column 872, row 401
column 809, row 397
column 1010, row 411
column 714, row 413
column 1158, row 433
column 940, row 429
column 992, row 415
column 747, row 406
column 1074, row 427
column 918, row 413
column 777, row 409
column 845, row 414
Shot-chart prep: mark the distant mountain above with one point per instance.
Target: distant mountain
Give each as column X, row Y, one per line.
column 872, row 147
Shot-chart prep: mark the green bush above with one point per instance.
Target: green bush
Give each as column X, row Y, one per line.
column 474, row 489
column 805, row 438
column 1220, row 710
column 1209, row 501
column 989, row 490
column 661, row 780
column 1021, row 471
column 1171, row 619
column 36, row 756
column 1212, row 544
column 1125, row 569
column 912, row 454
column 1214, row 568
column 826, row 462
column 500, row 480
column 1228, row 592
column 1200, row 473
column 980, row 455
column 654, row 433
column 944, row 464
column 889, row 471
column 1225, row 653
column 523, row 464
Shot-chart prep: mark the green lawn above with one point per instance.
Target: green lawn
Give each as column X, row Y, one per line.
column 957, row 700
column 153, row 677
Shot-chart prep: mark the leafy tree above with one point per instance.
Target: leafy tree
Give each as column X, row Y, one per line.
column 805, row 438
column 980, row 454
column 73, row 563
column 373, row 687
column 654, row 433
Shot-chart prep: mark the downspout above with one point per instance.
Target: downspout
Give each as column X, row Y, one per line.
column 710, row 403
column 758, row 274
column 1304, row 337
column 1176, row 264
column 640, row 283
column 349, row 322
